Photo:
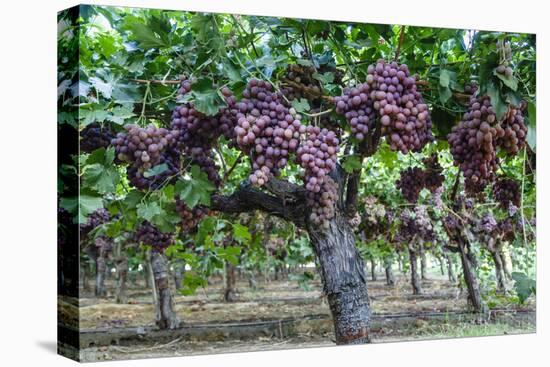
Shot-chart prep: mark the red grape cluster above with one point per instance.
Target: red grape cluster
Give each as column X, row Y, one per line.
column 266, row 129
column 198, row 133
column 433, row 174
column 317, row 155
column 169, row 159
column 375, row 217
column 190, row 218
column 95, row 219
column 144, row 148
column 416, row 222
column 475, row 139
column 487, row 224
column 95, row 136
column 404, row 116
column 357, row 107
column 506, row 192
column 323, row 202
column 411, row 183
column 148, row 234
column 515, row 131
column 473, row 143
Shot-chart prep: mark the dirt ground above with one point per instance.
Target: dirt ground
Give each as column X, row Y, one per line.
column 278, row 300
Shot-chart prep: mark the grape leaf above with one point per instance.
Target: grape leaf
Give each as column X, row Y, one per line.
column 195, row 190
column 145, row 36
column 156, row 170
column 148, row 210
column 301, row 105
column 103, row 87
column 241, row 233
column 499, row 105
column 510, row 81
column 351, row 164
column 524, row 286
column 325, row 78
column 83, row 205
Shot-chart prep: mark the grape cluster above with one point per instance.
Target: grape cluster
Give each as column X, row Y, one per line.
column 144, row 148
column 433, row 176
column 95, row 136
column 515, row 131
column 404, row 116
column 375, row 217
column 487, row 224
column 171, row 162
column 411, row 182
column 190, row 218
column 148, row 234
column 198, row 133
column 473, row 144
column 95, row 219
column 415, row 222
column 357, row 107
column 266, row 130
column 506, row 229
column 506, row 192
column 323, row 202
column 317, row 155
column 303, row 83
column 475, row 139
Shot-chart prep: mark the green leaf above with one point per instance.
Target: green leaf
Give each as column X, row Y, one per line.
column 192, row 281
column 148, row 210
column 510, row 81
column 445, row 94
column 83, row 205
column 241, row 233
column 146, row 37
column 499, row 105
column 524, row 286
column 301, row 105
column 229, row 253
column 103, row 87
column 351, row 163
column 156, row 170
column 324, row 78
column 445, row 77
column 532, row 125
column 101, row 178
column 196, row 190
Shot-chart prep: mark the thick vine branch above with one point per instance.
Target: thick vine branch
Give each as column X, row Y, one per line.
column 287, row 201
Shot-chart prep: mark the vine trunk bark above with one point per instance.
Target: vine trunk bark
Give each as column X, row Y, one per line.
column 499, row 272
column 230, row 294
column 390, row 278
column 373, row 269
column 450, row 269
column 467, row 260
column 344, row 282
column 423, row 263
column 165, row 317
column 122, row 275
column 415, row 279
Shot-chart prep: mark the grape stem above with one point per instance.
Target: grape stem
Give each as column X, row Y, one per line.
column 401, row 38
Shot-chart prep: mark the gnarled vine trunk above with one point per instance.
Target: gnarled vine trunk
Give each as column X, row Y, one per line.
column 450, row 268
column 343, row 275
column 423, row 263
column 166, row 317
column 505, row 268
column 415, row 279
column 179, row 272
column 467, row 260
column 499, row 272
column 230, row 295
column 122, row 275
column 390, row 279
column 373, row 269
